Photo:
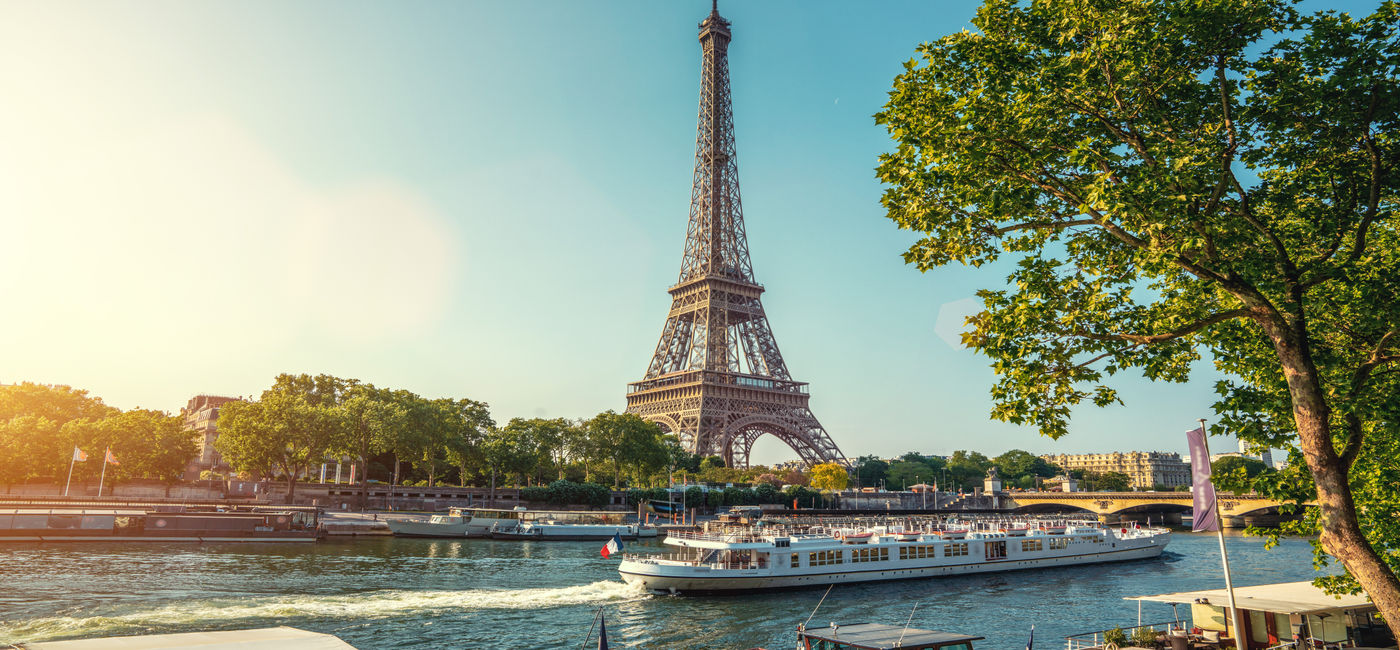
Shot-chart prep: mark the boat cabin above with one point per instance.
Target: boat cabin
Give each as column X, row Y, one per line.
column 876, row 636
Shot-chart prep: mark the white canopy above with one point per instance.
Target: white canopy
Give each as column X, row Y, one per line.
column 1282, row 598
column 269, row 638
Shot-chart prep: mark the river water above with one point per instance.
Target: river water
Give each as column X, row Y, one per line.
column 393, row 593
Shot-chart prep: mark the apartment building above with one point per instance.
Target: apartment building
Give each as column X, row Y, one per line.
column 201, row 417
column 1145, row 468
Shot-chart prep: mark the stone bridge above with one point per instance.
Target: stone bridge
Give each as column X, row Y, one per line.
column 1236, row 511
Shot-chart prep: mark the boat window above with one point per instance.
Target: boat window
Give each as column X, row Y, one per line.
column 996, row 550
column 1059, row 543
column 1032, row 545
column 65, row 521
column 31, row 521
column 98, row 522
column 956, row 646
column 795, row 561
column 956, row 549
column 823, row 558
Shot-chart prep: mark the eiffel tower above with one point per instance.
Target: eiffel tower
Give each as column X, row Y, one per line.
column 717, row 380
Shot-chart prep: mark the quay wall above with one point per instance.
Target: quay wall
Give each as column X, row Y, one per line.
column 326, row 495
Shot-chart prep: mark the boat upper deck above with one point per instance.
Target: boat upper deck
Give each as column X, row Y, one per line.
column 780, row 536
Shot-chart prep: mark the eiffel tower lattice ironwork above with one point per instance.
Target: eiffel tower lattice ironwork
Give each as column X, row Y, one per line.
column 717, row 380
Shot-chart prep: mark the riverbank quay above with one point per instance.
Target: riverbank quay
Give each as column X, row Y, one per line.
column 388, row 592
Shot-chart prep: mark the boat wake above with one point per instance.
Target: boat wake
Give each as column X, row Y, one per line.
column 248, row 611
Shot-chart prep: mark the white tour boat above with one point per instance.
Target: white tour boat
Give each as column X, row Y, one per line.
column 452, row 524
column 733, row 560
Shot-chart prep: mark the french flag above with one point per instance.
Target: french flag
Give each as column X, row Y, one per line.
column 614, row 545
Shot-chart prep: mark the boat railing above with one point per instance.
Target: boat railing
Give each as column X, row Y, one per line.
column 690, row 560
column 728, row 537
column 1098, row 639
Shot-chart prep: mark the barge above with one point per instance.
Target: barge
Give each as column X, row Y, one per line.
column 143, row 525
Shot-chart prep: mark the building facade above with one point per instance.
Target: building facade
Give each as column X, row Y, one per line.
column 201, row 418
column 1145, row 468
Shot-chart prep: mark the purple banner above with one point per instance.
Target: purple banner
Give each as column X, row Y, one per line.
column 1203, row 514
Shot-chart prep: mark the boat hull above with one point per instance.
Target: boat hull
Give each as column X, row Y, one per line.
column 564, row 533
column 672, row 579
column 425, row 529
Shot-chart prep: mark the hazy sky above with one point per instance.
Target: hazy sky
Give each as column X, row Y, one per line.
column 482, row 200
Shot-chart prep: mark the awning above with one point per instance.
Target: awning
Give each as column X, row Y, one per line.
column 267, row 638
column 1281, row 598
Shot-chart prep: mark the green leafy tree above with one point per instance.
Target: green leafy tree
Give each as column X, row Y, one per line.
column 967, row 468
column 1246, row 468
column 1106, row 481
column 468, row 421
column 906, row 473
column 365, row 413
column 1016, row 463
column 628, row 443
column 146, row 444
column 33, row 441
column 1172, row 179
column 830, row 476
column 281, row 432
column 871, row 471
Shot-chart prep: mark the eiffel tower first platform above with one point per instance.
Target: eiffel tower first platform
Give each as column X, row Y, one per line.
column 717, row 380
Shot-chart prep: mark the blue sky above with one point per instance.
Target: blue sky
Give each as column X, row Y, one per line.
column 473, row 199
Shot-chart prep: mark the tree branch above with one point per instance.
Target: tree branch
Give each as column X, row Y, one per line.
column 1355, row 434
column 1045, row 225
column 1184, row 330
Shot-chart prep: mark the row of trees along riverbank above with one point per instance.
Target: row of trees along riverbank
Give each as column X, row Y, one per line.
column 302, row 420
column 40, row 426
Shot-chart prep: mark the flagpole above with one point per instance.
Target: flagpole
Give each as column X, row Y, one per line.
column 105, row 453
column 1235, row 620
column 592, row 627
column 72, row 458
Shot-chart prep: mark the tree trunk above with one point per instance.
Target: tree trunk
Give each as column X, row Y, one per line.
column 432, row 468
column 1341, row 532
column 493, row 487
column 393, row 482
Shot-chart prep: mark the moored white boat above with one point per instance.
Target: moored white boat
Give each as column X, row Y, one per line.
column 453, row 524
column 547, row 525
column 777, row 558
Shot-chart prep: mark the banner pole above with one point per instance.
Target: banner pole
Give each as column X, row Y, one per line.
column 103, row 480
column 1235, row 618
column 72, row 459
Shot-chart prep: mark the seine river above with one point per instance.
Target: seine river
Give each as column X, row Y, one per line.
column 391, row 593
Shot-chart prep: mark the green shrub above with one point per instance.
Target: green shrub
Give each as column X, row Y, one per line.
column 1145, row 637
column 1116, row 636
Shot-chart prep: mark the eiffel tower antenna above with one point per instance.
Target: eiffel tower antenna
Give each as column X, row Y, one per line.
column 717, row 380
